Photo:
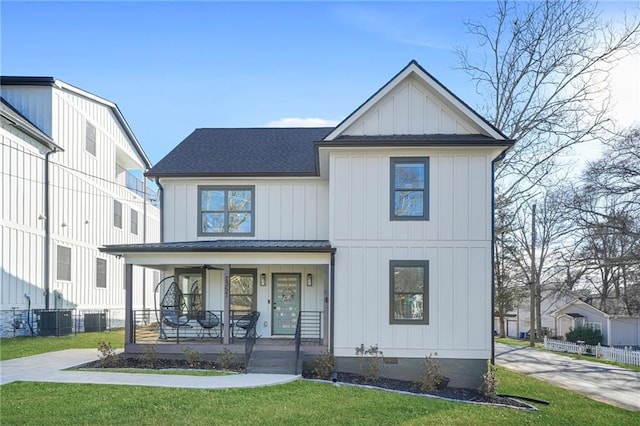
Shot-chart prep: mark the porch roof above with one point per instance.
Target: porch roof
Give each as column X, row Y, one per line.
column 307, row 246
column 573, row 315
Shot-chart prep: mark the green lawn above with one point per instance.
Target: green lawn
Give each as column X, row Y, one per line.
column 18, row 347
column 300, row 402
column 517, row 342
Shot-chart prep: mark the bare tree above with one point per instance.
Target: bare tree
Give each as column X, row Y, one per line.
column 616, row 175
column 552, row 227
column 542, row 73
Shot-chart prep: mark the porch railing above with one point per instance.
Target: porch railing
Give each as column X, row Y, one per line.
column 308, row 327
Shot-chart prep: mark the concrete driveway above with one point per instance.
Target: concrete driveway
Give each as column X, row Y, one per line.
column 605, row 383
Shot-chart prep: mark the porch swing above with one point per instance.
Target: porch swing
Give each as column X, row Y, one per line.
column 172, row 308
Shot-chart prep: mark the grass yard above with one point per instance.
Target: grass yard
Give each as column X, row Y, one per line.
column 18, row 347
column 298, row 403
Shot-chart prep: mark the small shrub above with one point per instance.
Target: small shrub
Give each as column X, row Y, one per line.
column 192, row 356
column 432, row 377
column 587, row 335
column 322, row 365
column 370, row 368
column 107, row 353
column 489, row 381
column 150, row 356
column 226, row 359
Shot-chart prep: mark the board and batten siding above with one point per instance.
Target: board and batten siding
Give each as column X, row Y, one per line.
column 83, row 188
column 284, row 209
column 456, row 240
column 411, row 108
column 22, row 195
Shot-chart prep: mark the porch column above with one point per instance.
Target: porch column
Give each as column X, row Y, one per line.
column 128, row 303
column 227, row 306
column 325, row 319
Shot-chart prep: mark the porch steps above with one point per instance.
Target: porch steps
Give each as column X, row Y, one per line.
column 273, row 361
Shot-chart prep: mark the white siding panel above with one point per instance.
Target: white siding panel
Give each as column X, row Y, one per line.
column 311, row 218
column 32, row 102
column 357, row 211
column 387, row 115
column 286, row 206
column 461, row 209
column 372, row 124
column 298, row 205
column 480, row 198
column 417, row 108
column 340, row 199
column 446, row 194
column 445, row 283
column 402, row 111
column 461, row 307
column 375, row 209
column 480, row 293
column 412, row 108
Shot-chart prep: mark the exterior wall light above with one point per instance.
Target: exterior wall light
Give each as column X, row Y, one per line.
column 263, row 280
column 309, row 280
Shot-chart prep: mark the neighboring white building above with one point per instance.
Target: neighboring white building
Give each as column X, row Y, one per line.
column 383, row 225
column 50, row 257
column 616, row 330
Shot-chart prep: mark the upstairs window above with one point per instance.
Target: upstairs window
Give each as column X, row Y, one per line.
column 409, row 291
column 410, row 188
column 226, row 210
column 134, row 221
column 90, row 139
column 117, row 214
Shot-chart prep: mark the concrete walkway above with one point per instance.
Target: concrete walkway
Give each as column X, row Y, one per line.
column 606, row 383
column 48, row 368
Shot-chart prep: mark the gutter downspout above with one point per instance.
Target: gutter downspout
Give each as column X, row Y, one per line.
column 161, row 200
column 493, row 243
column 144, row 240
column 331, row 305
column 47, row 230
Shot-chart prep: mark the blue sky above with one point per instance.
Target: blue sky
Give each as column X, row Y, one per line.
column 175, row 66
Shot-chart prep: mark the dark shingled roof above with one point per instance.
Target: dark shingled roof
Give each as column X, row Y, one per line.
column 313, row 246
column 243, row 152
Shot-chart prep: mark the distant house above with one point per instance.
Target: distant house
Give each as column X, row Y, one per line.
column 67, row 189
column 616, row 330
column 379, row 229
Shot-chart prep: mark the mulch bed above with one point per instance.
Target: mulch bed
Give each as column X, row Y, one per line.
column 459, row 394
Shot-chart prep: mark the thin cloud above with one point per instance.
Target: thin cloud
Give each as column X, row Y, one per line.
column 302, row 122
column 400, row 28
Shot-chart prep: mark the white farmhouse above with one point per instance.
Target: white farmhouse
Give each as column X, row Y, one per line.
column 377, row 232
column 67, row 189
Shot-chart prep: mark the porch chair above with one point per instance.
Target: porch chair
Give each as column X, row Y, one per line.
column 172, row 308
column 208, row 321
column 245, row 322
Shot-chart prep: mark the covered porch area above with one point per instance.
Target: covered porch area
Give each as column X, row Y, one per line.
column 230, row 294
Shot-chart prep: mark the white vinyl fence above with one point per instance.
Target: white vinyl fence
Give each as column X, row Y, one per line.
column 625, row 356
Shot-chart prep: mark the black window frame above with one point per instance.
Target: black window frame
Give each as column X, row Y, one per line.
column 90, row 138
column 227, row 189
column 133, row 225
column 425, row 295
column 63, row 269
column 101, row 273
column 117, row 214
column 394, row 161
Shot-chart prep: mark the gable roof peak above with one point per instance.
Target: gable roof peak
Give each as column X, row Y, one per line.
column 414, row 68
